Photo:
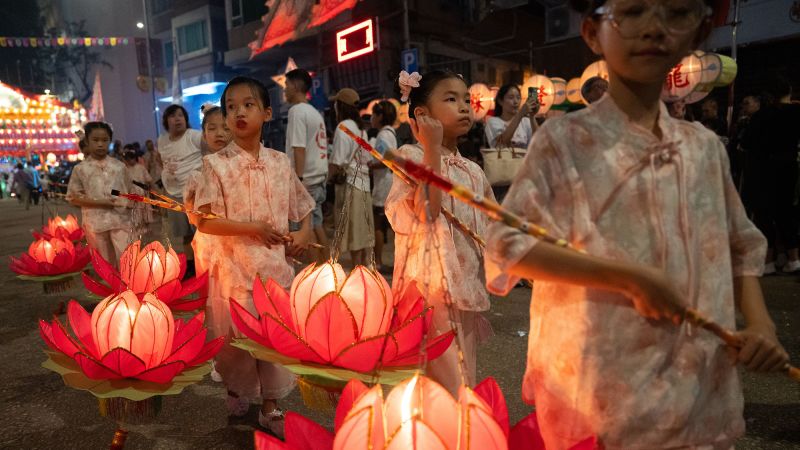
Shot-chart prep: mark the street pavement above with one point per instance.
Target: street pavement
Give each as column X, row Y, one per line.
column 40, row 412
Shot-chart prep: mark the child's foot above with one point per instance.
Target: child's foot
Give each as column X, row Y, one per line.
column 236, row 406
column 272, row 421
column 769, row 268
column 792, row 266
column 214, row 374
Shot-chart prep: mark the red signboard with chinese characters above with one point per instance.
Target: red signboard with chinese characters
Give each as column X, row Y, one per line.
column 355, row 41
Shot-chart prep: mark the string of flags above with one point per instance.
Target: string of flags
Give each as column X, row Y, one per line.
column 83, row 41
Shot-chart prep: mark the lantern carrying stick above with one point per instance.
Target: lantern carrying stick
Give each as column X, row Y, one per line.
column 410, row 181
column 500, row 214
column 174, row 205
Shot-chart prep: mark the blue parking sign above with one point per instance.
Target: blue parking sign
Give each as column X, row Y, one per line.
column 318, row 98
column 410, row 60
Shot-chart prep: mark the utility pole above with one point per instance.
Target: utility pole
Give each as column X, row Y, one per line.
column 150, row 66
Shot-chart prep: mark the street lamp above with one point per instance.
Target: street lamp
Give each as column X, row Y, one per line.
column 139, row 25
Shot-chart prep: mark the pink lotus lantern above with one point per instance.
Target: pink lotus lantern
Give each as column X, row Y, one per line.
column 130, row 338
column 417, row 413
column 57, row 227
column 348, row 321
column 52, row 262
column 152, row 269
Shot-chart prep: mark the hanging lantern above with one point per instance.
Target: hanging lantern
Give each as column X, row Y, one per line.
column 595, row 69
column 574, row 91
column 52, row 262
column 149, row 270
column 126, row 337
column 560, row 90
column 480, row 100
column 58, row 227
column 546, row 91
column 729, row 71
column 682, row 79
column 348, row 321
column 51, row 158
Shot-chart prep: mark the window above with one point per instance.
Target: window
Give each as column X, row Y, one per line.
column 192, row 37
column 169, row 56
column 246, row 11
column 237, row 19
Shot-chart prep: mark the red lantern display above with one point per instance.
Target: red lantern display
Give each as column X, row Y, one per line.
column 130, row 338
column 52, row 262
column 152, row 269
column 58, row 227
column 332, row 318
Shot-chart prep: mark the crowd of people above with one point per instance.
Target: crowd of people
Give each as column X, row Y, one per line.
column 603, row 357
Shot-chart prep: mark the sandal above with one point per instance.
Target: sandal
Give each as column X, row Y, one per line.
column 273, row 421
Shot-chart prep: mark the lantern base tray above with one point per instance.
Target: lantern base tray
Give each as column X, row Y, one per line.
column 52, row 284
column 331, row 377
column 128, row 388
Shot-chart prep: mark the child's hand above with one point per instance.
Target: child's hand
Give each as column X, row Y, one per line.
column 655, row 297
column 428, row 131
column 299, row 242
column 266, row 233
column 761, row 351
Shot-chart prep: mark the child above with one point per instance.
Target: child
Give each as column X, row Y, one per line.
column 105, row 218
column 384, row 115
column 651, row 200
column 256, row 193
column 439, row 114
column 142, row 214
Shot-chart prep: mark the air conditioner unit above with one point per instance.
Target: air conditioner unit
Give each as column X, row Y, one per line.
column 561, row 22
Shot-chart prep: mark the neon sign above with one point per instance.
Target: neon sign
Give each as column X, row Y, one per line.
column 355, row 41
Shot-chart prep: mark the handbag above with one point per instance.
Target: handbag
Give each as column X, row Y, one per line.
column 502, row 164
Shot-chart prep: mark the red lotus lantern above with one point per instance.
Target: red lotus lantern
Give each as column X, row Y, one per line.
column 152, row 269
column 417, row 414
column 128, row 338
column 58, row 227
column 53, row 262
column 332, row 318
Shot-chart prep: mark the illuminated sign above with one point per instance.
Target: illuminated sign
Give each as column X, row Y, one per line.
column 355, row 41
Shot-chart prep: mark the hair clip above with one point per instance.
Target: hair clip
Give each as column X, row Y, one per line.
column 407, row 82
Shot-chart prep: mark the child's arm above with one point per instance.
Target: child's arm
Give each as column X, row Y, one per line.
column 79, row 200
column 227, row 227
column 76, row 193
column 300, row 238
column 653, row 295
column 429, row 133
column 761, row 351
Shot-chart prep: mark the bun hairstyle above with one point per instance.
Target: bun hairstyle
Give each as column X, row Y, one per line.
column 209, row 111
column 419, row 96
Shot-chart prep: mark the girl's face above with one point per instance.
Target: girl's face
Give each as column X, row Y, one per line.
column 245, row 113
column 216, row 132
column 375, row 120
column 176, row 122
column 642, row 40
column 511, row 101
column 449, row 104
column 97, row 144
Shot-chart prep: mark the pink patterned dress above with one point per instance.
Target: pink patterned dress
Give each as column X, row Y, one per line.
column 595, row 367
column 453, row 261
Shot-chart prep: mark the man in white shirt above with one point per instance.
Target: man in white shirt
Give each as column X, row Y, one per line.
column 307, row 147
column 180, row 152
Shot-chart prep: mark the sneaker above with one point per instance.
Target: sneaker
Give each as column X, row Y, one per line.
column 769, row 268
column 791, row 266
column 236, row 406
column 273, row 422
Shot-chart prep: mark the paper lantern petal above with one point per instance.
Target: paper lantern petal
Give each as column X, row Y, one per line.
column 209, row 350
column 106, row 271
column 63, row 341
column 164, row 373
column 247, row 324
column 81, row 323
column 409, row 334
column 364, row 356
column 526, row 435
column 357, row 431
column 185, row 329
column 287, row 342
column 95, row 287
column 192, row 285
column 123, row 362
column 414, row 432
column 168, row 292
column 490, row 392
column 47, row 334
column 330, row 327
column 264, row 441
column 94, row 369
column 181, row 264
column 187, row 305
column 188, row 349
column 271, row 298
column 305, row 434
column 351, row 392
column 436, row 347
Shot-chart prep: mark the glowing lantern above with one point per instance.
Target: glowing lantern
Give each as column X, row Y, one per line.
column 718, row 70
column 331, row 318
column 53, row 262
column 546, row 91
column 595, row 69
column 51, row 158
column 58, row 227
column 560, row 90
column 152, row 269
column 682, row 79
column 480, row 100
column 130, row 338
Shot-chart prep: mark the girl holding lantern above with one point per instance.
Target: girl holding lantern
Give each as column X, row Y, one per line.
column 256, row 193
column 651, row 199
column 438, row 110
column 105, row 218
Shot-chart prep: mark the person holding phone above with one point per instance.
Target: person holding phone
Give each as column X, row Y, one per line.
column 513, row 122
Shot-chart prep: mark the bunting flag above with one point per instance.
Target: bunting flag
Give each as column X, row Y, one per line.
column 83, row 41
column 96, row 112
